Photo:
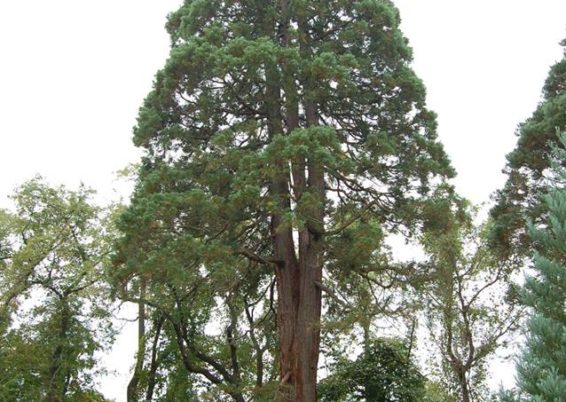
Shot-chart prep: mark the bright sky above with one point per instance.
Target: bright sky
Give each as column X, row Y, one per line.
column 74, row 73
column 72, row 77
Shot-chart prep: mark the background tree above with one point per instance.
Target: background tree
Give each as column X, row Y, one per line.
column 273, row 128
column 383, row 372
column 528, row 166
column 52, row 297
column 542, row 368
column 470, row 307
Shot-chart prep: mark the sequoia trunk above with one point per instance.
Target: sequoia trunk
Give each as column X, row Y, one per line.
column 298, row 318
column 298, row 276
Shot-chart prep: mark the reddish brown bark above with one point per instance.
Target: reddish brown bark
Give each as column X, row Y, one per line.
column 300, row 257
column 298, row 316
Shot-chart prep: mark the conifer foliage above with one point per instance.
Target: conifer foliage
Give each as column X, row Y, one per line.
column 274, row 127
column 542, row 370
column 529, row 163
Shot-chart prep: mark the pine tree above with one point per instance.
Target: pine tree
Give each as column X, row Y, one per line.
column 528, row 164
column 542, row 369
column 274, row 128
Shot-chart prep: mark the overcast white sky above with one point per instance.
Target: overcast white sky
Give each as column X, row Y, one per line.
column 74, row 73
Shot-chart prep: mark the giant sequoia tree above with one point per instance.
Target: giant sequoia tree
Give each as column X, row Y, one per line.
column 279, row 135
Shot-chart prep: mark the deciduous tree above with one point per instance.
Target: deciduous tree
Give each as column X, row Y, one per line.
column 53, row 308
column 383, row 372
column 470, row 304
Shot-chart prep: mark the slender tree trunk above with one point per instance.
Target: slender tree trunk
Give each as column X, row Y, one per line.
column 151, row 378
column 57, row 372
column 188, row 353
column 466, row 396
column 132, row 390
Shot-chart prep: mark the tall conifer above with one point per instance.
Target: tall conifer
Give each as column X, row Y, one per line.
column 542, row 369
column 274, row 128
column 528, row 165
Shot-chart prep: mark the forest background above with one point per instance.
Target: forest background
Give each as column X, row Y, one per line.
column 74, row 77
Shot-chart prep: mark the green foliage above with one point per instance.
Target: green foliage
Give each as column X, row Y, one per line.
column 437, row 392
column 505, row 395
column 542, row 368
column 528, row 165
column 384, row 372
column 469, row 305
column 53, row 307
column 256, row 100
